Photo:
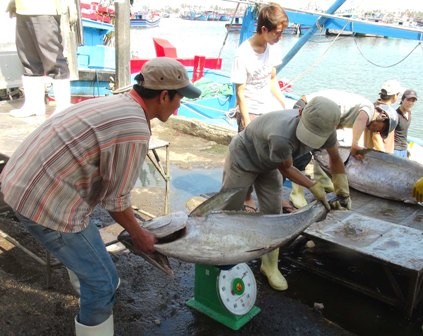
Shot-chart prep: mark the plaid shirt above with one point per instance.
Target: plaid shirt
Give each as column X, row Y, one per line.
column 90, row 154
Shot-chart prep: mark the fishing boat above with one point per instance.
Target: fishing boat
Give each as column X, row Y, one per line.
column 224, row 17
column 295, row 29
column 100, row 11
column 217, row 96
column 212, row 15
column 149, row 19
column 95, row 61
column 193, row 16
column 235, row 25
column 217, row 104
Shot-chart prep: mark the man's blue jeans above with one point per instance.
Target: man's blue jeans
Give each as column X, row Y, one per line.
column 401, row 153
column 85, row 254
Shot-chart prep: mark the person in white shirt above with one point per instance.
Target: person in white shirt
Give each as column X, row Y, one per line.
column 253, row 72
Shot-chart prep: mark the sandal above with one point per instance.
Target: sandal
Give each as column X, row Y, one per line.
column 248, row 208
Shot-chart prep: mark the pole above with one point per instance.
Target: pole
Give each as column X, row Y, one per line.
column 332, row 9
column 122, row 43
column 227, row 33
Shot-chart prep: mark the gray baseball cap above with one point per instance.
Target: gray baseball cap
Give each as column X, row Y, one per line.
column 318, row 121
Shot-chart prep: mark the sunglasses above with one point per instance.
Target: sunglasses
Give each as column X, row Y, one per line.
column 411, row 99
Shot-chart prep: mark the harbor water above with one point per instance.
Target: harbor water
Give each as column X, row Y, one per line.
column 355, row 64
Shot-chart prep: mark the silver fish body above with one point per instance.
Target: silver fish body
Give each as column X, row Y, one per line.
column 232, row 237
column 222, row 237
column 379, row 174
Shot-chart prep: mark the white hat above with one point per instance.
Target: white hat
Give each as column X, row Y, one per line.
column 391, row 87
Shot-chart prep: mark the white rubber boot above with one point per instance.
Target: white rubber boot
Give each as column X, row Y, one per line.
column 62, row 94
column 103, row 329
column 297, row 196
column 34, row 93
column 74, row 281
column 269, row 267
column 320, row 175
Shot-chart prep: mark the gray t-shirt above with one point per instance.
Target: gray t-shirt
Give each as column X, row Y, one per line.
column 269, row 140
column 349, row 103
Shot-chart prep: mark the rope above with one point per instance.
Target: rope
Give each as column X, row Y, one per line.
column 227, row 32
column 225, row 118
column 307, row 70
column 386, row 66
column 314, row 64
column 208, row 107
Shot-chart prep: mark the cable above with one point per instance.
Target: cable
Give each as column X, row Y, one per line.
column 385, row 66
column 318, row 60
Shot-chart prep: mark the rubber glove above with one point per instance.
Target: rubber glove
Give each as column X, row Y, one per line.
column 342, row 190
column 418, row 190
column 320, row 194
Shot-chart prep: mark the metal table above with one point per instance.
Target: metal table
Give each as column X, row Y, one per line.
column 388, row 235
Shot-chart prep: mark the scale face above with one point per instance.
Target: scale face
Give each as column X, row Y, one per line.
column 237, row 289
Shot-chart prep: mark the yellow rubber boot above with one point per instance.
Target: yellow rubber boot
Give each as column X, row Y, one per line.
column 320, row 176
column 269, row 267
column 297, row 196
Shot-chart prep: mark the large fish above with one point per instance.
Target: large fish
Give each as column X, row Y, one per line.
column 223, row 237
column 379, row 174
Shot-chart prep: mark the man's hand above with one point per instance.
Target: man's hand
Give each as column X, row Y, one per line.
column 320, row 194
column 418, row 190
column 357, row 152
column 143, row 240
column 340, row 183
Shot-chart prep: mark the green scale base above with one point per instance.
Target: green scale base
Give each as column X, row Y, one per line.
column 207, row 299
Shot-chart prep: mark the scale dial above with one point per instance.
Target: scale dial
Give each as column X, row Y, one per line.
column 237, row 289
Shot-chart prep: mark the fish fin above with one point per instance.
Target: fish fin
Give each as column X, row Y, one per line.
column 156, row 259
column 217, row 202
column 258, row 249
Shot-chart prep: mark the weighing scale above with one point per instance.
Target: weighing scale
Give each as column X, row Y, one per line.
column 225, row 295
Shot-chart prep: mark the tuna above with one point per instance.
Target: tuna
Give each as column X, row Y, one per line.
column 379, row 174
column 221, row 238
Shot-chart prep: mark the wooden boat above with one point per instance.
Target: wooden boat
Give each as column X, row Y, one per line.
column 145, row 20
column 194, row 16
column 212, row 109
column 96, row 62
column 96, row 11
column 234, row 25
